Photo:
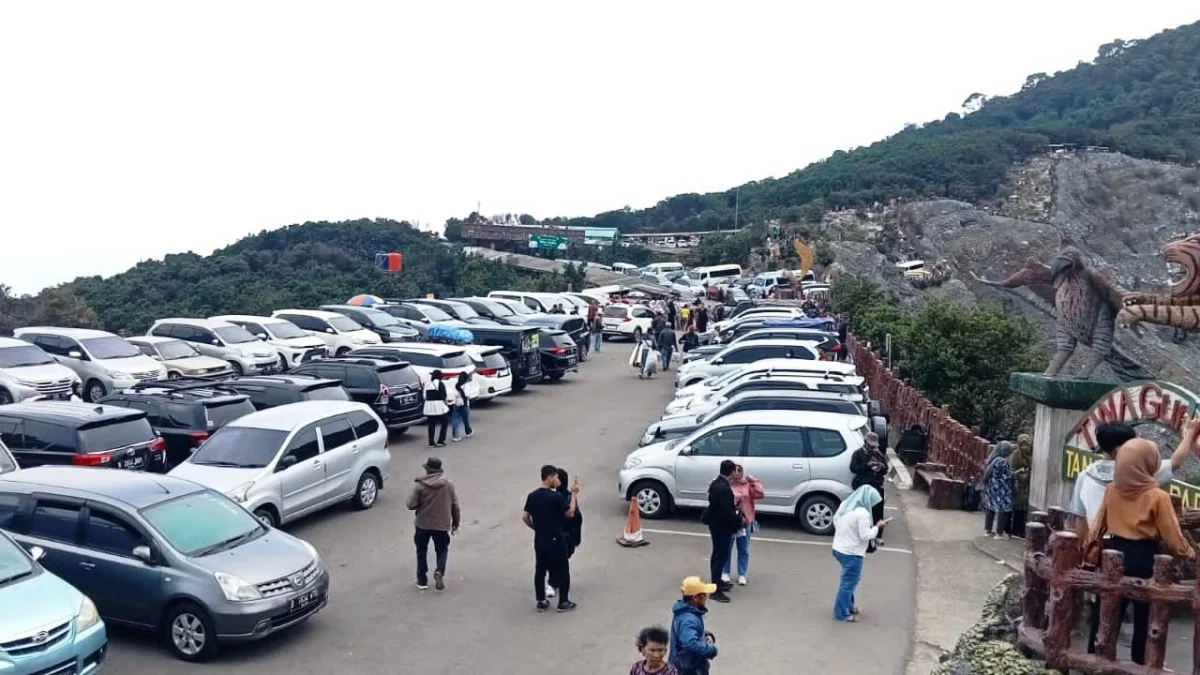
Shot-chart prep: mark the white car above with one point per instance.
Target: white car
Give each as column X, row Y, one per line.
column 765, row 311
column 493, row 374
column 8, row 463
column 626, row 321
column 293, row 345
column 847, row 387
column 738, row 354
column 339, row 332
column 180, row 358
column 27, row 372
column 767, row 366
column 219, row 339
column 104, row 362
column 426, row 357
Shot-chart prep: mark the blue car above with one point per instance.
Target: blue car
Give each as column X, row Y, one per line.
column 47, row 627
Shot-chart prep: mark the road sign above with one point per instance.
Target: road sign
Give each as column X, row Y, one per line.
column 547, row 241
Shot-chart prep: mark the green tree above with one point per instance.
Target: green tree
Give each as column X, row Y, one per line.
column 60, row 306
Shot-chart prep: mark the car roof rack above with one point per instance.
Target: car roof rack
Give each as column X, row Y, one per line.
column 184, row 385
column 366, row 359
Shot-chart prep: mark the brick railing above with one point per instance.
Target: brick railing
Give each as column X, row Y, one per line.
column 950, row 443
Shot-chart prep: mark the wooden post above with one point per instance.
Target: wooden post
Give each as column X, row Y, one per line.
column 1064, row 558
column 1057, row 518
column 1033, row 600
column 1112, row 569
column 1160, row 613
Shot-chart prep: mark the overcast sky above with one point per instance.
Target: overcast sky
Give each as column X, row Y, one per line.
column 129, row 130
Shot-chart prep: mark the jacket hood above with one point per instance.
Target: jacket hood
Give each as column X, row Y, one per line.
column 1101, row 471
column 434, row 480
column 683, row 607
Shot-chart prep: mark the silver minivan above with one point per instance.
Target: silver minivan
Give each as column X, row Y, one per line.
column 286, row 462
column 802, row 459
column 104, row 362
column 245, row 352
column 26, row 371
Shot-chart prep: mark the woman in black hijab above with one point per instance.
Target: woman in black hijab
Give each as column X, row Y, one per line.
column 573, row 530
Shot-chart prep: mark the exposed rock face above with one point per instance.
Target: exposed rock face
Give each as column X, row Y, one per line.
column 989, row 647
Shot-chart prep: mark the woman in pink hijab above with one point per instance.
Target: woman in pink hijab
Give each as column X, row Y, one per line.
column 746, row 490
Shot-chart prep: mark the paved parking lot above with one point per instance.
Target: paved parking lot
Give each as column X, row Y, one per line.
column 378, row 622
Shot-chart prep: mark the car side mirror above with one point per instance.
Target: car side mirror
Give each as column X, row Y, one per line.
column 144, row 554
column 75, row 354
column 329, row 330
column 216, row 342
column 717, row 362
column 262, row 336
column 157, row 357
column 685, row 450
column 37, row 553
column 286, row 463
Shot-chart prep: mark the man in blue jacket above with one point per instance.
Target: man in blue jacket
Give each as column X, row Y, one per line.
column 691, row 646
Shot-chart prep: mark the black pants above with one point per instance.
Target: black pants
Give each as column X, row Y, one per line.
column 1017, row 524
column 722, row 544
column 438, row 420
column 550, row 558
column 1001, row 519
column 877, row 510
column 1139, row 562
column 441, row 549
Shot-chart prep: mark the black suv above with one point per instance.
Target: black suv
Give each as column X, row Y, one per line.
column 559, row 353
column 518, row 344
column 82, row 434
column 184, row 412
column 269, row 391
column 390, row 387
column 575, row 326
column 379, row 322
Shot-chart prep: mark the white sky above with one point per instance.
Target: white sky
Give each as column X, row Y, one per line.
column 133, row 129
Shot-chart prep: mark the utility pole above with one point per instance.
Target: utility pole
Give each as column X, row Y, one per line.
column 737, row 202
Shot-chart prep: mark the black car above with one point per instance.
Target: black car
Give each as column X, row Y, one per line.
column 390, row 387
column 520, row 345
column 489, row 308
column 386, row 326
column 184, row 412
column 269, row 391
column 418, row 317
column 559, row 352
column 575, row 326
column 459, row 310
column 80, row 434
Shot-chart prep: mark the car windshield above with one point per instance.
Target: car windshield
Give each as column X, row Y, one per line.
column 519, row 308
column 464, row 311
column 14, row 564
column 329, row 392
column 499, row 309
column 433, row 313
column 202, row 523
column 23, row 355
column 116, row 433
column 379, row 318
column 110, row 347
column 616, row 311
column 718, row 382
column 176, row 349
column 343, row 324
column 284, row 330
column 220, row 414
column 240, row 447
column 234, row 335
column 456, row 360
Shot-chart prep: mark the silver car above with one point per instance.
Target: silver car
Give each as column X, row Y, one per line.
column 802, row 459
column 287, row 462
column 739, row 354
column 104, row 362
column 180, row 358
column 28, row 372
column 222, row 340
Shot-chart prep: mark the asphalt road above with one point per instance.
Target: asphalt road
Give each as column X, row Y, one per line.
column 377, row 621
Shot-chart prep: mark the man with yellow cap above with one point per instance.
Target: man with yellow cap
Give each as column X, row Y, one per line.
column 691, row 646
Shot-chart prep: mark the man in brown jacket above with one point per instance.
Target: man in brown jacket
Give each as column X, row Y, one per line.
column 436, row 504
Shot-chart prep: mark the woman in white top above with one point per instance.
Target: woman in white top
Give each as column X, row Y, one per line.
column 853, row 533
column 438, row 399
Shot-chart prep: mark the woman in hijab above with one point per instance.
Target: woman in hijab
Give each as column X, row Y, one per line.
column 572, row 528
column 1021, row 463
column 853, row 533
column 438, row 400
column 461, row 413
column 746, row 490
column 998, row 491
column 1139, row 520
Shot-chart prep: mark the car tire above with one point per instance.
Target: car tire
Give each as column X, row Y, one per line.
column 653, row 499
column 94, row 391
column 556, row 376
column 400, row 431
column 5, row 397
column 267, row 516
column 366, row 493
column 342, row 352
column 637, row 335
column 237, row 368
column 283, row 364
column 173, row 375
column 816, row 514
column 189, row 633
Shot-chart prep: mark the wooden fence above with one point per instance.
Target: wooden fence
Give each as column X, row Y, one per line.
column 950, row 443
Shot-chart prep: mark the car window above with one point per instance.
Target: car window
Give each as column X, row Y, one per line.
column 57, row 521
column 304, row 444
column 763, row 441
column 336, row 432
column 24, row 355
column 342, row 324
column 199, row 523
column 330, row 392
column 283, row 330
column 48, row 437
column 111, row 535
column 146, row 349
column 304, row 322
column 641, row 312
column 110, row 347
column 364, row 424
column 241, row 447
column 398, row 377
column 115, row 433
column 725, row 442
column 254, row 329
column 361, row 378
column 218, row 415
column 825, row 443
column 10, row 432
column 8, row 508
column 748, row 355
column 153, row 414
column 273, row 396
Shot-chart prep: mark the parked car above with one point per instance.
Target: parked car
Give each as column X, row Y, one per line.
column 184, row 413
column 835, row 386
column 379, row 322
column 8, row 463
column 270, row 391
column 426, row 357
column 47, row 626
column 166, row 555
column 802, row 458
column 560, row 355
column 520, row 346
column 102, row 361
column 391, row 388
column 531, row 301
column 827, row 342
column 459, row 310
column 574, row 325
column 627, row 321
column 776, row 312
column 752, row 399
column 58, row 432
column 495, row 310
column 288, row 462
column 293, row 345
column 180, row 358
column 340, row 333
column 493, row 376
column 779, row 366
column 222, row 340
column 26, row 371
column 418, row 315
column 736, row 355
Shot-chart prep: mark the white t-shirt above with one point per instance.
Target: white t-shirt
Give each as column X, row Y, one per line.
column 1092, row 481
column 853, row 531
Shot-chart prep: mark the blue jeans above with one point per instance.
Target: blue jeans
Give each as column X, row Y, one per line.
column 666, row 356
column 743, row 555
column 851, row 573
column 460, row 414
column 597, row 340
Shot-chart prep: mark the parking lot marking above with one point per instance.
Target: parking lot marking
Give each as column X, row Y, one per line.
column 770, row 539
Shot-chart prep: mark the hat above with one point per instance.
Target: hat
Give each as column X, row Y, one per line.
column 433, row 465
column 694, row 586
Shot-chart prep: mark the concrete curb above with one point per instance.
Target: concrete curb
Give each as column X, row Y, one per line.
column 1013, row 565
column 903, row 479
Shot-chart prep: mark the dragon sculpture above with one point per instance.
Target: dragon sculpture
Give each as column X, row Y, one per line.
column 1181, row 307
column 1086, row 301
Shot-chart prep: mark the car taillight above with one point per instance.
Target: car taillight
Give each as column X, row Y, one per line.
column 489, row 372
column 557, row 350
column 91, row 459
column 836, row 348
column 158, row 444
column 384, row 395
column 449, row 375
column 198, row 437
column 626, row 319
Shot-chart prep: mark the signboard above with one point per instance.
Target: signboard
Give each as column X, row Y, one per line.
column 1156, row 409
column 547, row 241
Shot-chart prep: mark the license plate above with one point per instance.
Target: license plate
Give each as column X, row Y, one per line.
column 571, row 360
column 135, row 462
column 305, row 600
column 408, row 398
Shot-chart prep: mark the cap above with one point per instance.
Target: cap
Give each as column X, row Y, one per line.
column 694, row 586
column 433, row 465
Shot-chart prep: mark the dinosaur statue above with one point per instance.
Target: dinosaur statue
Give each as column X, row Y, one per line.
column 1086, row 301
column 1181, row 307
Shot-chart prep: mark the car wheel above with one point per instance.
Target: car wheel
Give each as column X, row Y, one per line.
column 556, row 376
column 637, row 334
column 342, row 352
column 173, row 375
column 283, row 365
column 653, row 500
column 367, row 492
column 5, row 397
column 816, row 514
column 267, row 516
column 237, row 368
column 94, row 391
column 401, row 431
column 190, row 633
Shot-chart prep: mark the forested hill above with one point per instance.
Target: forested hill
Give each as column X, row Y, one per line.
column 1141, row 98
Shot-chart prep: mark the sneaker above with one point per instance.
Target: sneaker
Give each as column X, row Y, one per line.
column 719, row 596
column 724, row 586
column 456, row 439
column 566, row 606
column 879, row 542
column 470, row 434
column 742, row 580
column 438, row 581
column 422, row 584
column 543, row 606
column 442, row 444
column 549, row 591
column 725, row 578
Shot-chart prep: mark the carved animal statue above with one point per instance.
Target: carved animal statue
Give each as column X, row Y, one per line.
column 1086, row 301
column 1181, row 307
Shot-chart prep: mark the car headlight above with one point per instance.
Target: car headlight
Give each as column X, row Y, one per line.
column 25, row 383
column 632, row 462
column 236, row 589
column 193, row 371
column 87, row 616
column 117, row 375
column 240, row 493
column 312, row 551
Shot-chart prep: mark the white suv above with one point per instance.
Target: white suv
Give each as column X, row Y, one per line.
column 627, row 321
column 426, row 357
column 104, row 362
column 293, row 345
column 28, row 372
column 339, row 332
column 222, row 340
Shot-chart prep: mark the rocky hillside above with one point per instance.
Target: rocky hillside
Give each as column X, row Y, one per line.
column 1120, row 211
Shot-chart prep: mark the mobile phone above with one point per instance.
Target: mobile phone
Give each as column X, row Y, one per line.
column 889, row 519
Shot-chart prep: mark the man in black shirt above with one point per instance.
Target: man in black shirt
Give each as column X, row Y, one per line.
column 723, row 521
column 546, row 513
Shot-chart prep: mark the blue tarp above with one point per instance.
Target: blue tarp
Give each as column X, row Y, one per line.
column 452, row 334
column 799, row 323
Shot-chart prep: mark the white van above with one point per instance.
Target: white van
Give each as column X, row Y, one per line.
column 716, row 274
column 624, row 267
column 913, row 269
column 662, row 267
